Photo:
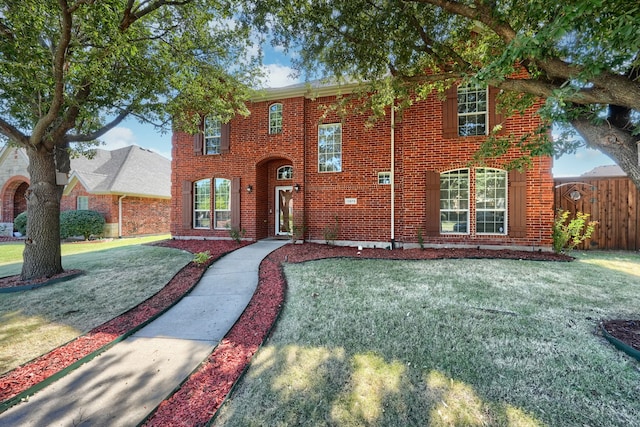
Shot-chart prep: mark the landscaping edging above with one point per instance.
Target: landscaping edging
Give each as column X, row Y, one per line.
column 41, row 284
column 619, row 344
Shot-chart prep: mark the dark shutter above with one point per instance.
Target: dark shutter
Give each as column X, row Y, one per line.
column 495, row 118
column 225, row 130
column 450, row 113
column 432, row 211
column 187, row 211
column 517, row 204
column 235, row 203
column 198, row 139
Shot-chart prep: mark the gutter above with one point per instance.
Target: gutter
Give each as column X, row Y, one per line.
column 393, row 182
column 120, row 215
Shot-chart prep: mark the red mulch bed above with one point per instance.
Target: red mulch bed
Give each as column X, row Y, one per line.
column 202, row 394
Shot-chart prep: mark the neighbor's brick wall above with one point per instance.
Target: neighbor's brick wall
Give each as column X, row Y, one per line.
column 140, row 215
column 255, row 155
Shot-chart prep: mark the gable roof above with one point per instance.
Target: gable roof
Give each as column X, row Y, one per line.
column 132, row 171
column 605, row 171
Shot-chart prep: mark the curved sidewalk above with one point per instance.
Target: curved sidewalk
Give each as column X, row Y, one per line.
column 124, row 384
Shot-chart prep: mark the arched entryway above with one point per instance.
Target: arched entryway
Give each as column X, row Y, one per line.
column 13, row 198
column 278, row 205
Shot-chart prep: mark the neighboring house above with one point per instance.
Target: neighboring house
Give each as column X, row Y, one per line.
column 611, row 199
column 130, row 186
column 290, row 167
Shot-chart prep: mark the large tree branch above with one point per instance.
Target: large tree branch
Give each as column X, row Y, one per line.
column 132, row 13
column 481, row 13
column 58, row 75
column 97, row 134
column 11, row 132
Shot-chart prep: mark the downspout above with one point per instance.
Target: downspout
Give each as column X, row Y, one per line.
column 393, row 182
column 120, row 215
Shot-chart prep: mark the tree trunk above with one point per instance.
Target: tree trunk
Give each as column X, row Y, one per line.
column 617, row 143
column 42, row 256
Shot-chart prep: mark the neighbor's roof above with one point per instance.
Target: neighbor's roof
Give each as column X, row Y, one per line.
column 311, row 89
column 132, row 171
column 604, row 171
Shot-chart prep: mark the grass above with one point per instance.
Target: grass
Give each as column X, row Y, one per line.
column 116, row 279
column 444, row 343
column 11, row 252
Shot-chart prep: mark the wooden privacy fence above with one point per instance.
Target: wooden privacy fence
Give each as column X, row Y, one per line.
column 612, row 201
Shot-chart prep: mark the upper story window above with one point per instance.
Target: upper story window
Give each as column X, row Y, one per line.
column 212, row 135
column 454, row 201
column 330, row 148
column 285, row 172
column 222, row 211
column 275, row 118
column 202, row 204
column 384, row 178
column 472, row 110
column 491, row 201
column 82, row 203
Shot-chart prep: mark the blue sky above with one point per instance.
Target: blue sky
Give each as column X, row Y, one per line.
column 279, row 73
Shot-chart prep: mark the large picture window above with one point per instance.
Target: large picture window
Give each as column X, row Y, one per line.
column 212, row 135
column 454, row 201
column 222, row 211
column 472, row 110
column 491, row 201
column 202, row 204
column 275, row 118
column 330, row 148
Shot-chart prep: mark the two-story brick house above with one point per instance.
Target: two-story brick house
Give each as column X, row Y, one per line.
column 292, row 167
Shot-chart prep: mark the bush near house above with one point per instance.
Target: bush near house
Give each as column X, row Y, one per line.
column 20, row 223
column 81, row 223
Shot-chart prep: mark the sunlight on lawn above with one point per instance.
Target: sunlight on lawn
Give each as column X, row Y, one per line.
column 628, row 266
column 19, row 333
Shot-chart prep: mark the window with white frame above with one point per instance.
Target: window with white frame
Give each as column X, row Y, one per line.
column 222, row 211
column 491, row 201
column 454, row 201
column 384, row 178
column 285, row 173
column 330, row 148
column 275, row 118
column 212, row 135
column 472, row 110
column 82, row 203
column 202, row 204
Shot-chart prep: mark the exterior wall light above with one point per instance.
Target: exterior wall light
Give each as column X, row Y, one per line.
column 296, row 187
column 249, row 188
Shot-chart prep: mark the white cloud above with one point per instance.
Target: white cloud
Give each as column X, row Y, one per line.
column 118, row 137
column 279, row 75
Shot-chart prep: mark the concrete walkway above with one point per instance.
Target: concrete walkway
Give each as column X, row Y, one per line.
column 122, row 385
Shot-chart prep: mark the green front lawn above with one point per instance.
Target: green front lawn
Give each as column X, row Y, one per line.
column 447, row 343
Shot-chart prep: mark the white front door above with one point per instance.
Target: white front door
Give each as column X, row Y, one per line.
column 284, row 210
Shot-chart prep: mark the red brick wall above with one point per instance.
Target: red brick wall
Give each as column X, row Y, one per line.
column 419, row 147
column 140, row 215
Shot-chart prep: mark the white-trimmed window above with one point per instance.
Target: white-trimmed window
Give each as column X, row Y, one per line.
column 384, row 178
column 454, row 201
column 285, row 173
column 202, row 204
column 330, row 148
column 222, row 211
column 491, row 201
column 212, row 135
column 82, row 203
column 472, row 110
column 275, row 118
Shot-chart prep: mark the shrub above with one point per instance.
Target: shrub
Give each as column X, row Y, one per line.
column 20, row 223
column 81, row 223
column 237, row 234
column 568, row 235
column 201, row 258
column 330, row 232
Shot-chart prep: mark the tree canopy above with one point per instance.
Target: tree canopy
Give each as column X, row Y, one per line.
column 70, row 70
column 582, row 56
